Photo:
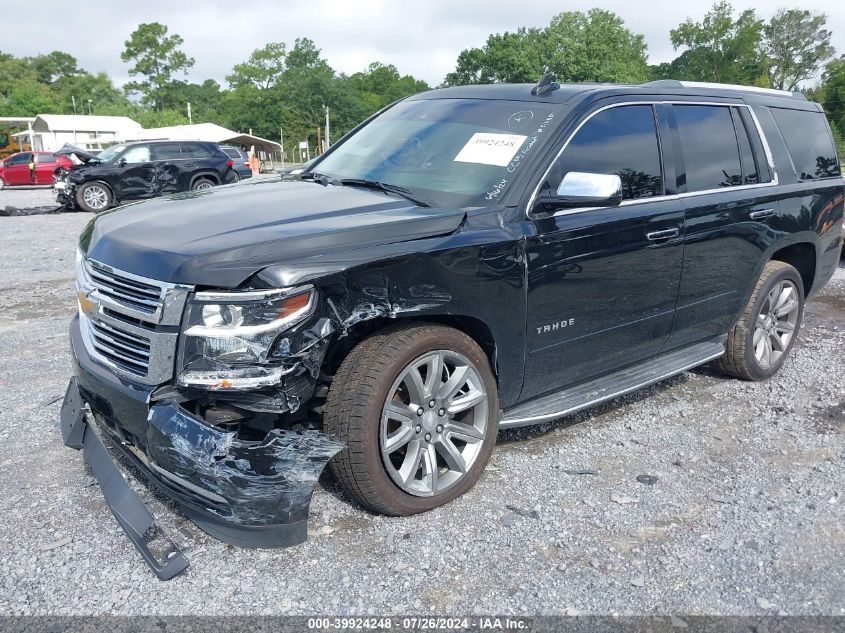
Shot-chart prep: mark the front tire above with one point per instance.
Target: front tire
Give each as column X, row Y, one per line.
column 764, row 336
column 2, row 183
column 94, row 197
column 417, row 408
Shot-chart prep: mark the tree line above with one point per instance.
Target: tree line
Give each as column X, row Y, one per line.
column 286, row 87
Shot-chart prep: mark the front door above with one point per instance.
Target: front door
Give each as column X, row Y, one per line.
column 602, row 283
column 16, row 169
column 136, row 178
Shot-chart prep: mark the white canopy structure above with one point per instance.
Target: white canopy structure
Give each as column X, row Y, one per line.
column 213, row 133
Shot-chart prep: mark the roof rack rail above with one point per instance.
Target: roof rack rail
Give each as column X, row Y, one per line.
column 674, row 83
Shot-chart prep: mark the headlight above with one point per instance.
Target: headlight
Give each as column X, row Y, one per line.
column 228, row 336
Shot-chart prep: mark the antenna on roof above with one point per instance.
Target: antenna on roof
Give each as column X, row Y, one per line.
column 545, row 85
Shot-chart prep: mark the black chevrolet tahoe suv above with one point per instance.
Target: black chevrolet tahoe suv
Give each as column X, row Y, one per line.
column 133, row 171
column 468, row 259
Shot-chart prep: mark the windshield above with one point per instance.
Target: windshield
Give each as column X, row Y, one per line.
column 107, row 154
column 455, row 152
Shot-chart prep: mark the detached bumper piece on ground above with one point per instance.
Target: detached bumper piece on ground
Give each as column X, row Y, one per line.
column 249, row 494
column 127, row 508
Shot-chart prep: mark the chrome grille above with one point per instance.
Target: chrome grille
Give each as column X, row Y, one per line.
column 127, row 350
column 129, row 292
column 129, row 323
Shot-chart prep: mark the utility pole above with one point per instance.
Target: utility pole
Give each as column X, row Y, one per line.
column 190, row 120
column 319, row 143
column 73, row 99
column 89, row 107
column 282, row 145
column 328, row 142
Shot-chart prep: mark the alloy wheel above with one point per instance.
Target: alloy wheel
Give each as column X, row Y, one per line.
column 433, row 423
column 203, row 186
column 776, row 323
column 96, row 197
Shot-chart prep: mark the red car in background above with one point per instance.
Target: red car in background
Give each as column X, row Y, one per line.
column 14, row 170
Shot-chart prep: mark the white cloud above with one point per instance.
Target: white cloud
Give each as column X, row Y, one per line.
column 420, row 38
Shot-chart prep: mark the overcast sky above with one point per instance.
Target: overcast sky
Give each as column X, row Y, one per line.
column 422, row 38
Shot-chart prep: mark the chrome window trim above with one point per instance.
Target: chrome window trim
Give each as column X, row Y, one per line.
column 687, row 194
column 737, row 87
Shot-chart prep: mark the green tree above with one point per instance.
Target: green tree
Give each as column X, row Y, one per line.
column 575, row 46
column 720, row 48
column 204, row 99
column 13, row 70
column 796, row 45
column 506, row 57
column 378, row 86
column 28, row 98
column 156, row 56
column 831, row 93
column 84, row 86
column 54, row 66
column 263, row 68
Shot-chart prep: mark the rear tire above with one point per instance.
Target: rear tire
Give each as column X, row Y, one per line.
column 764, row 336
column 94, row 197
column 379, row 466
column 202, row 184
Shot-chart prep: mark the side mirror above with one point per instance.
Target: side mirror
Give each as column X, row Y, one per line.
column 121, row 162
column 584, row 189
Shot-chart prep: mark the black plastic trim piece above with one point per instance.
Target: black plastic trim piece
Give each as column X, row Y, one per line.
column 130, row 512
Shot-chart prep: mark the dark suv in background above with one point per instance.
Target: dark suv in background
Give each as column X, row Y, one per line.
column 241, row 159
column 131, row 171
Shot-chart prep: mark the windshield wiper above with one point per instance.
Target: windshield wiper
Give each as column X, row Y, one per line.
column 382, row 186
column 313, row 176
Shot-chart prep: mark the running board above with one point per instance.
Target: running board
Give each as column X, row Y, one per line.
column 587, row 394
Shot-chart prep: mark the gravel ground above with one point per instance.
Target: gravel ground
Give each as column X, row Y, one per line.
column 747, row 514
column 27, row 197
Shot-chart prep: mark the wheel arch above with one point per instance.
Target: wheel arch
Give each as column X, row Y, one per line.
column 208, row 175
column 473, row 327
column 801, row 256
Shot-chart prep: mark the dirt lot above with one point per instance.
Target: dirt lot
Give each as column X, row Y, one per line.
column 747, row 515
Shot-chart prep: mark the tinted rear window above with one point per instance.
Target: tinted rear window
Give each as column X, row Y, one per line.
column 45, row 158
column 621, row 141
column 167, row 151
column 711, row 154
column 809, row 143
column 231, row 152
column 196, row 150
column 750, row 174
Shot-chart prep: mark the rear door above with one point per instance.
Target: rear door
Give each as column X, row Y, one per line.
column 602, row 282
column 201, row 159
column 170, row 166
column 45, row 165
column 728, row 198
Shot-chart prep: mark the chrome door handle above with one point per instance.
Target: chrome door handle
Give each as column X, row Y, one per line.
column 662, row 235
column 762, row 214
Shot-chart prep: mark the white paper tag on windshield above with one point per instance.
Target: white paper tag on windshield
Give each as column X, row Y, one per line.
column 488, row 148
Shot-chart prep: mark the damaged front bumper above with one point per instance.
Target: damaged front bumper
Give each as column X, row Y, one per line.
column 247, row 493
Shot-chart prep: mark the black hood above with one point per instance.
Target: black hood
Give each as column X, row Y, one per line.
column 223, row 236
column 83, row 156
